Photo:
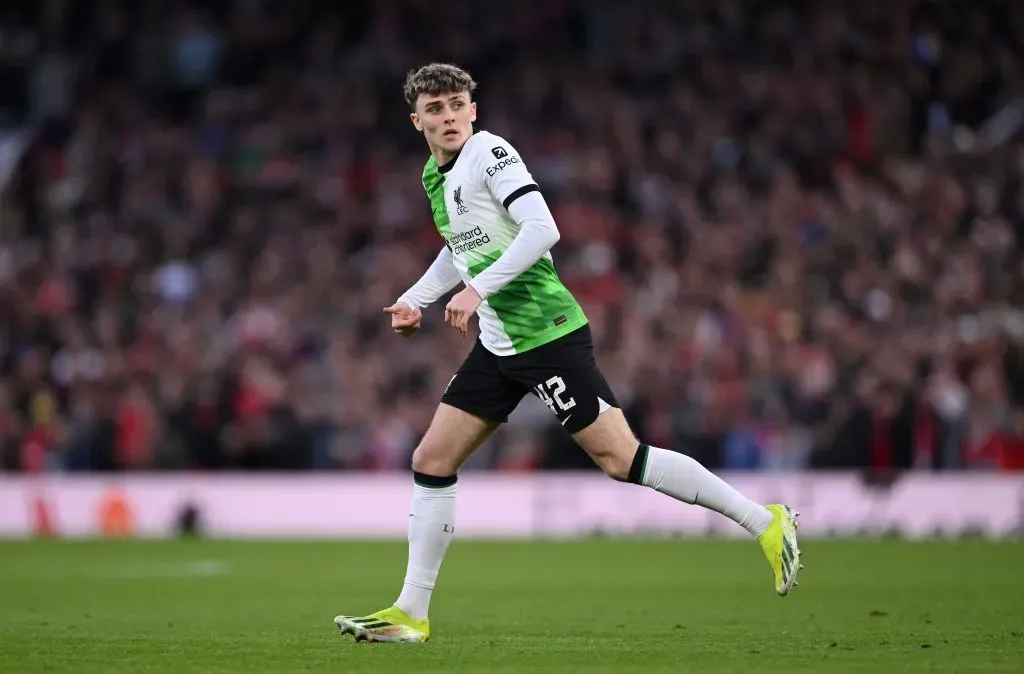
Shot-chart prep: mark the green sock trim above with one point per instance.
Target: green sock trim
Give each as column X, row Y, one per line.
column 638, row 468
column 434, row 481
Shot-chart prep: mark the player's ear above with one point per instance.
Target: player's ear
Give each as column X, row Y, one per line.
column 415, row 119
column 472, row 111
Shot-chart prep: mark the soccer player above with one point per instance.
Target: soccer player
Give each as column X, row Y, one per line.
column 534, row 338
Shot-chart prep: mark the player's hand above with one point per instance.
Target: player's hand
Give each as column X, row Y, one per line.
column 460, row 308
column 404, row 319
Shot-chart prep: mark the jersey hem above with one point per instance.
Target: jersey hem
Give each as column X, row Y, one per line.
column 546, row 337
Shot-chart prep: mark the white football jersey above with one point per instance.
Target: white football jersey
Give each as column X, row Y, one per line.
column 469, row 197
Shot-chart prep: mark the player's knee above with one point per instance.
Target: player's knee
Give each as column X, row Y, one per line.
column 610, row 443
column 615, row 465
column 433, row 460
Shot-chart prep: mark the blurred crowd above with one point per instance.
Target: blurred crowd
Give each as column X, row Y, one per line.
column 796, row 227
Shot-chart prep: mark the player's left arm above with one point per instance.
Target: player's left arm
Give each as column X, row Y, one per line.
column 507, row 179
column 510, row 183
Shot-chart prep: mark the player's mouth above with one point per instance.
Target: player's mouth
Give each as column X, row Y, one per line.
column 451, row 133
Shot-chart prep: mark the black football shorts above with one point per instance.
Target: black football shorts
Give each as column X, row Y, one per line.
column 562, row 373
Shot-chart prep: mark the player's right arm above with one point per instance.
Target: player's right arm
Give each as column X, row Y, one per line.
column 440, row 278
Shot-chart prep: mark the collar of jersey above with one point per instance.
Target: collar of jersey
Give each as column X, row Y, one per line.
column 448, row 167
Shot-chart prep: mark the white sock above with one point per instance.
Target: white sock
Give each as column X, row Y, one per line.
column 431, row 526
column 686, row 480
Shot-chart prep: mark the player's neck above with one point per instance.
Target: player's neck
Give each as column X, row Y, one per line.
column 443, row 156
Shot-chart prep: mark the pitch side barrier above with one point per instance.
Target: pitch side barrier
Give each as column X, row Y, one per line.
column 548, row 505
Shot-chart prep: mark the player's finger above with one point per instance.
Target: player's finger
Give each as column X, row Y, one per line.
column 447, row 315
column 393, row 309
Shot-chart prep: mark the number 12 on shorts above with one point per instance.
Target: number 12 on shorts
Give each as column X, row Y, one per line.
column 550, row 392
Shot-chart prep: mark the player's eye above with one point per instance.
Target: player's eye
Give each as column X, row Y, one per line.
column 457, row 104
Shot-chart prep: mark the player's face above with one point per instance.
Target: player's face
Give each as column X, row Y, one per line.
column 445, row 120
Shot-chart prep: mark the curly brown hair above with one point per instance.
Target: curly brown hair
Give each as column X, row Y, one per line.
column 435, row 79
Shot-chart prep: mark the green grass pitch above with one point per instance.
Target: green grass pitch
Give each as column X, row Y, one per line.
column 589, row 606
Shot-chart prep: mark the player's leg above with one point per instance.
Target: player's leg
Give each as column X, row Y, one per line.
column 565, row 376
column 611, row 443
column 452, row 437
column 613, row 446
column 475, row 403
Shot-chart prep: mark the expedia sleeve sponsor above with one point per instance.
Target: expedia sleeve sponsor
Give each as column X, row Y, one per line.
column 466, row 241
column 500, row 166
column 502, row 170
